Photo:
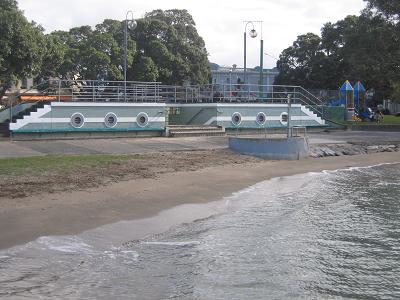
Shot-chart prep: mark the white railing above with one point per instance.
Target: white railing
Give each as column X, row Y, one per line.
column 114, row 91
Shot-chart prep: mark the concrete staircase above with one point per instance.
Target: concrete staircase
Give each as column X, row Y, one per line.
column 4, row 129
column 5, row 125
column 194, row 130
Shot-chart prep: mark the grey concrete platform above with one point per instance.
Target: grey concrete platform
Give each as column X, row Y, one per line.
column 109, row 146
column 157, row 144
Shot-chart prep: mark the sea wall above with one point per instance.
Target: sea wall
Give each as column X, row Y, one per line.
column 350, row 149
column 291, row 149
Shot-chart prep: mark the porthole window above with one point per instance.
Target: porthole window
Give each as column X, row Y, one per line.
column 142, row 119
column 284, row 118
column 77, row 120
column 261, row 118
column 110, row 120
column 236, row 119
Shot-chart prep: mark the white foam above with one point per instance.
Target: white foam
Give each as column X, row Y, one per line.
column 67, row 244
column 359, row 168
column 181, row 244
column 127, row 254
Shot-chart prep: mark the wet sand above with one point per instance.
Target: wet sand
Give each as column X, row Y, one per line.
column 24, row 219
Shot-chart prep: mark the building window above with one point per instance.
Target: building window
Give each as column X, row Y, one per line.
column 261, row 118
column 284, row 118
column 236, row 119
column 77, row 120
column 142, row 119
column 110, row 120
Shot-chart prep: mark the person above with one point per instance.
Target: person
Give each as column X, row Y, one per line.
column 380, row 116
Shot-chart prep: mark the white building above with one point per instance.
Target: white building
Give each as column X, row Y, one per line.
column 231, row 75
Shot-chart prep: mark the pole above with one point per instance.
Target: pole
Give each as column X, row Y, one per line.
column 230, row 85
column 244, row 62
column 125, row 53
column 11, row 117
column 59, row 90
column 261, row 67
column 289, row 132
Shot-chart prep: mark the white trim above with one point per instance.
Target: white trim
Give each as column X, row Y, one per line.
column 247, row 105
column 211, row 120
column 95, row 120
column 126, row 120
column 107, row 104
column 156, row 119
column 32, row 118
column 253, row 119
column 312, row 115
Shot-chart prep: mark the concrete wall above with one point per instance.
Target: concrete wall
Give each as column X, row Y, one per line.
column 221, row 114
column 192, row 115
column 56, row 117
column 290, row 149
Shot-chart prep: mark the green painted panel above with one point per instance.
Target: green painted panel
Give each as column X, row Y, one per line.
column 192, row 115
column 85, row 130
column 100, row 112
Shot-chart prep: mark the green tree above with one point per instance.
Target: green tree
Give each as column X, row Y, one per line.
column 170, row 38
column 389, row 8
column 94, row 54
column 21, row 46
column 364, row 48
column 164, row 47
column 303, row 62
column 54, row 52
column 145, row 69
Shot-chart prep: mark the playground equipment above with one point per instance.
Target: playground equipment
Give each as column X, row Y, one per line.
column 346, row 95
column 359, row 96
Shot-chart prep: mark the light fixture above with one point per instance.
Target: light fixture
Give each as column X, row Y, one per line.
column 253, row 33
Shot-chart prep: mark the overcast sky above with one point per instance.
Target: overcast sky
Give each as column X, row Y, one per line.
column 220, row 23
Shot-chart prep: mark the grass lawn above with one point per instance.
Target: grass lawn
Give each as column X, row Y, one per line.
column 390, row 120
column 61, row 163
column 387, row 120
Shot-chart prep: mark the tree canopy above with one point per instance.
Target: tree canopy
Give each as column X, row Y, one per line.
column 164, row 47
column 365, row 48
column 21, row 46
column 388, row 8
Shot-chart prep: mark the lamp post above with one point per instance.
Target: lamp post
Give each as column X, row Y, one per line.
column 253, row 34
column 132, row 26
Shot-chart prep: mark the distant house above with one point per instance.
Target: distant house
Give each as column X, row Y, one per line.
column 224, row 75
column 20, row 86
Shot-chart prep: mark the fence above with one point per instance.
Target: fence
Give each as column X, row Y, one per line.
column 115, row 91
column 393, row 107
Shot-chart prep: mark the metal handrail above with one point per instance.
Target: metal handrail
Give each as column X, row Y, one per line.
column 112, row 91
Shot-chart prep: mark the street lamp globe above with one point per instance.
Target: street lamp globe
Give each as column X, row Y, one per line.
column 132, row 24
column 253, row 33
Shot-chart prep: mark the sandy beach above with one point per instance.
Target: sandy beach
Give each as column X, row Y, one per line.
column 23, row 219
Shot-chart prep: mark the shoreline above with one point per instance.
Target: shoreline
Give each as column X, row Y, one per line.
column 65, row 213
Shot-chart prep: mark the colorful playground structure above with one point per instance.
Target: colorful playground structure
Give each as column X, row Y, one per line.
column 354, row 100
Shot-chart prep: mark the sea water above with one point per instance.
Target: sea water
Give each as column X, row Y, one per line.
column 328, row 235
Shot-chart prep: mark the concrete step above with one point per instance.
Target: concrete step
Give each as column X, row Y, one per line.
column 197, row 133
column 193, row 128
